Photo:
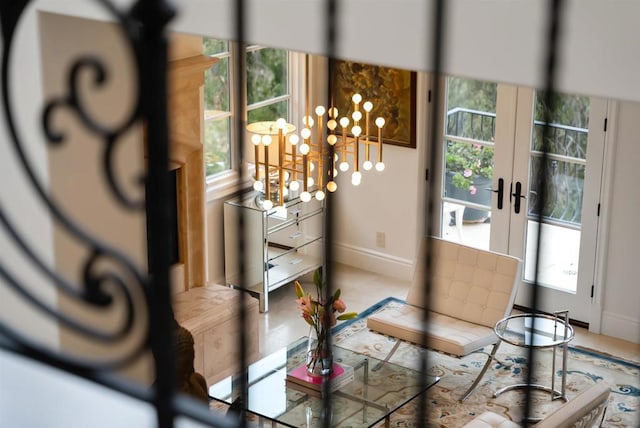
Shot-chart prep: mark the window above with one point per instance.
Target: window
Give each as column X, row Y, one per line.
column 268, row 97
column 217, row 108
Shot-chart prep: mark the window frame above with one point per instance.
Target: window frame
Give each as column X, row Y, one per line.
column 225, row 183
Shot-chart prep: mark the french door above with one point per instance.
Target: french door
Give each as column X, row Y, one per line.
column 491, row 147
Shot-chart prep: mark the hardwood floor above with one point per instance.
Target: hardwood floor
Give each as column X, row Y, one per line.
column 361, row 289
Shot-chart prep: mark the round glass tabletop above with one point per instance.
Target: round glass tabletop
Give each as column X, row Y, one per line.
column 534, row 330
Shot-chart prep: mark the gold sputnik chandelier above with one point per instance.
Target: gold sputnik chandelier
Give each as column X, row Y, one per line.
column 301, row 164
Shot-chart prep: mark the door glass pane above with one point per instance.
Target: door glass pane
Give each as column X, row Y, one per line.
column 563, row 183
column 468, row 161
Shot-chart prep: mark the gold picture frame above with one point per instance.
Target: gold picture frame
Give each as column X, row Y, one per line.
column 392, row 92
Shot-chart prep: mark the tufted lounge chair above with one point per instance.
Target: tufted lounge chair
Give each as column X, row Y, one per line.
column 584, row 410
column 471, row 289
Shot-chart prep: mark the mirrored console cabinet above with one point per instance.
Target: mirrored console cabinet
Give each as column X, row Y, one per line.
column 280, row 244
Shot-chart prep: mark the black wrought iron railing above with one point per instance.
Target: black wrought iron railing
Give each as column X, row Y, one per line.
column 109, row 279
column 472, row 124
column 110, row 282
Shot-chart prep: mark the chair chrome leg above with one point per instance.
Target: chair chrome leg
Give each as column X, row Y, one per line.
column 389, row 355
column 490, row 358
column 502, row 363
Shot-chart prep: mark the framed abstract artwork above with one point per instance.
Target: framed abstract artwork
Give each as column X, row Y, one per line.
column 392, row 92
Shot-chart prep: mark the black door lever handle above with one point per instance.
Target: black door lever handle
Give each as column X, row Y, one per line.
column 518, row 195
column 500, row 192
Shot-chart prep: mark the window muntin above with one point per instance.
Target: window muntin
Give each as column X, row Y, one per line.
column 268, row 97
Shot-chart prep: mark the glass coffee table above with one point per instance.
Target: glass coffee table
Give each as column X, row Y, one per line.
column 371, row 397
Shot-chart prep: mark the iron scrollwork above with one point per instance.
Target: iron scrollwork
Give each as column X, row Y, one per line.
column 108, row 276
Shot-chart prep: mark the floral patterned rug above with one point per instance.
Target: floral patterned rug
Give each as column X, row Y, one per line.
column 584, row 368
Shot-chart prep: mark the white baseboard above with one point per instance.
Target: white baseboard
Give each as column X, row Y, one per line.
column 620, row 326
column 374, row 261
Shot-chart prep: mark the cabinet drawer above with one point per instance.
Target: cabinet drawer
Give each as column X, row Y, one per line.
column 279, row 219
column 294, row 234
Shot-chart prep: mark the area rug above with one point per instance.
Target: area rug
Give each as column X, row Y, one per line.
column 584, row 368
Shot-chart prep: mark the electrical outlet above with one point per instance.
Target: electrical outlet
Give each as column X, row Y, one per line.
column 380, row 239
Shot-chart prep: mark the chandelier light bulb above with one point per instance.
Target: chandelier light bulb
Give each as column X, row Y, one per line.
column 267, row 204
column 304, row 148
column 356, row 130
column 332, row 186
column 356, row 115
column 293, row 139
column 310, row 181
column 312, row 166
column 356, row 98
column 333, row 112
column 305, row 196
column 344, row 166
column 380, row 166
column 332, row 139
column 255, row 139
column 332, row 124
column 367, row 106
column 266, row 140
column 335, row 172
column 285, row 192
column 294, row 186
column 356, row 178
column 344, row 121
column 367, row 165
column 305, row 133
column 319, row 195
column 308, row 121
column 281, row 123
column 320, row 110
column 258, row 186
column 380, row 122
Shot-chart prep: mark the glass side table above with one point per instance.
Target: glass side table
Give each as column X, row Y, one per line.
column 538, row 331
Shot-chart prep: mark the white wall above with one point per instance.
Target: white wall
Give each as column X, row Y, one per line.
column 499, row 40
column 621, row 290
column 390, row 202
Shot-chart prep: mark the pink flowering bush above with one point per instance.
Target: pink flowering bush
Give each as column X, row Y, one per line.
column 466, row 161
column 320, row 314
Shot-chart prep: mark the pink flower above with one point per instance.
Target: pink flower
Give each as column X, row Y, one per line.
column 467, row 172
column 339, row 305
column 473, row 190
column 315, row 312
column 304, row 304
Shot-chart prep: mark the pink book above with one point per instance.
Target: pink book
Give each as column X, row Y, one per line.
column 299, row 374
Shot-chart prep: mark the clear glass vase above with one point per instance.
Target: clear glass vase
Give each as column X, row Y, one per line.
column 319, row 358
